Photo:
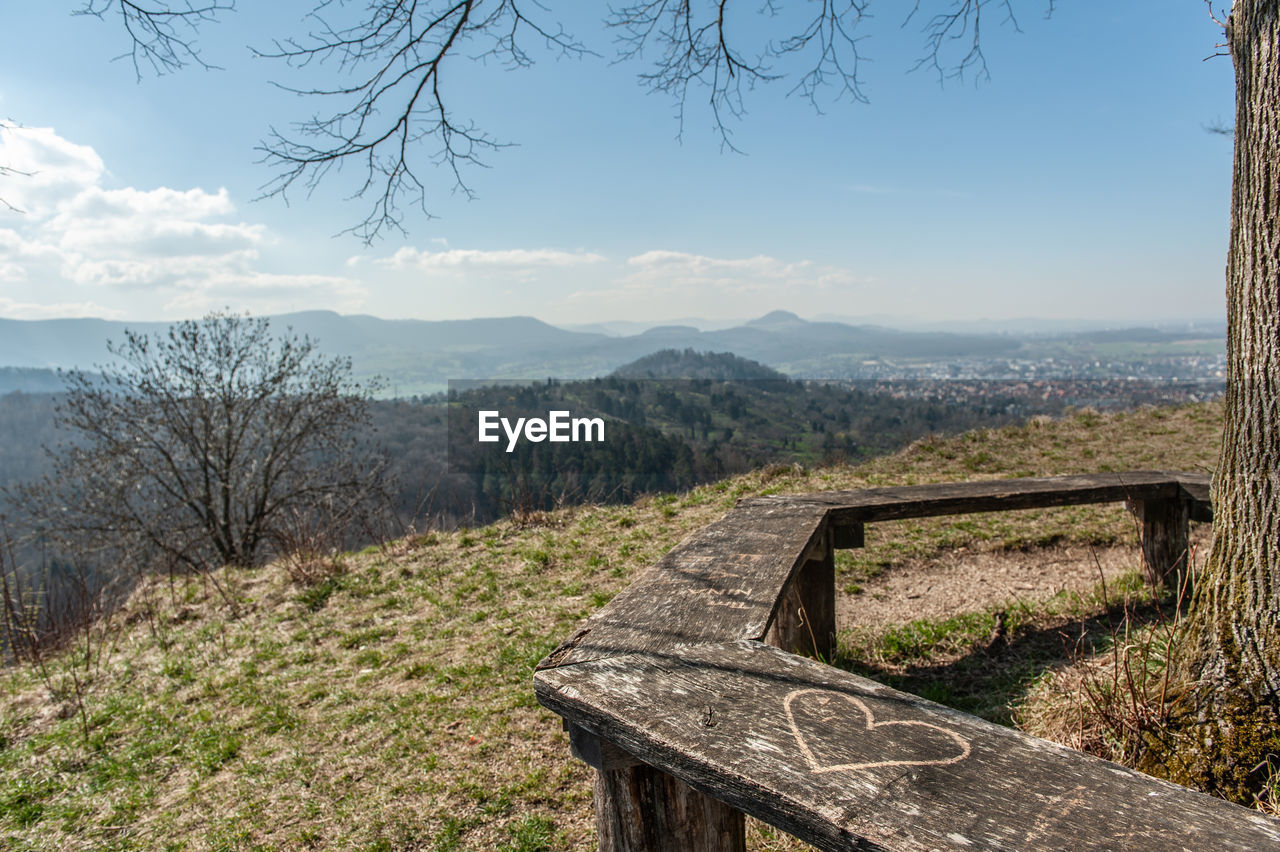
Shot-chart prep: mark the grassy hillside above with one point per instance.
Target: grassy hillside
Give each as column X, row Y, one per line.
column 388, row 703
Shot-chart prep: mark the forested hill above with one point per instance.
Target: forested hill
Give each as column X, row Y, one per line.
column 688, row 364
column 663, row 434
column 676, row 418
column 29, row 380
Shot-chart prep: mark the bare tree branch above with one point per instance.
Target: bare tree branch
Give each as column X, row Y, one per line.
column 697, row 49
column 961, row 23
column 397, row 54
column 1219, row 128
column 393, row 117
column 10, row 171
column 829, row 38
column 161, row 35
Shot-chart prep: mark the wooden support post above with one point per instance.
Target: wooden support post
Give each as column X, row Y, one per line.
column 640, row 808
column 805, row 621
column 1164, row 539
column 848, row 536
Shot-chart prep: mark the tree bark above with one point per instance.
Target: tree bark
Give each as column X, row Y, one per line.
column 1229, row 721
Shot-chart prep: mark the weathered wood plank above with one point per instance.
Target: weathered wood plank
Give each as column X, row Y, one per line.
column 720, row 584
column 845, row 763
column 1196, row 491
column 918, row 501
column 665, row 675
column 597, row 753
column 641, row 808
column 1195, row 486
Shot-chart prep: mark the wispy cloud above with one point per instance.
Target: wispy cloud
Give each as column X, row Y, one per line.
column 453, row 259
column 32, row 311
column 703, row 284
column 184, row 250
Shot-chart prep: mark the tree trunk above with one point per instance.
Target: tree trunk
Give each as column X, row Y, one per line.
column 1229, row 721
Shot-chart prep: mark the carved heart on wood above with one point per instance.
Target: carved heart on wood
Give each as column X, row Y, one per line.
column 818, row 707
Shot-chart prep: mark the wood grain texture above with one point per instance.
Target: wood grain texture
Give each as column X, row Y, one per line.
column 804, row 620
column 846, row 763
column 640, row 809
column 1165, row 539
column 919, row 501
column 720, row 584
column 848, row 536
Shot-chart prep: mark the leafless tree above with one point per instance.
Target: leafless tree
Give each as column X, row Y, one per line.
column 196, row 448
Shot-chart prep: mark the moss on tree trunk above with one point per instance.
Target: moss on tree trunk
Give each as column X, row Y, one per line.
column 1228, row 721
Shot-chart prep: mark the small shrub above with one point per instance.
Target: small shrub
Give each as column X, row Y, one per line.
column 315, row 597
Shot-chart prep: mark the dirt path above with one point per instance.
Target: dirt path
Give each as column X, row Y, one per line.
column 962, row 581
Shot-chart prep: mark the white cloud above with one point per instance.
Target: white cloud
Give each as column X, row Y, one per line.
column 696, row 268
column 453, row 259
column 661, row 283
column 180, row 248
column 269, row 293
column 30, row 310
column 49, row 170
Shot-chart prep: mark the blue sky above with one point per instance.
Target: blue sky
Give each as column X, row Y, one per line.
column 1078, row 182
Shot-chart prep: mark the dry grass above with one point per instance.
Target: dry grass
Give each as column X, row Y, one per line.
column 388, row 705
column 1113, row 695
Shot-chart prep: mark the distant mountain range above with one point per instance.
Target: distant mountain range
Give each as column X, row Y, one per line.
column 417, row 356
column 1018, row 327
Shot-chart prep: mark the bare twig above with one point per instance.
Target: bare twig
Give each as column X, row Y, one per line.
column 10, row 171
column 398, row 100
column 394, row 116
column 162, row 36
column 962, row 23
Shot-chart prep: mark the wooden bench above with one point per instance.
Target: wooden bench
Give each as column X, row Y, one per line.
column 687, row 694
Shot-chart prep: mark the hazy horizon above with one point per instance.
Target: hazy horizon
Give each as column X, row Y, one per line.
column 1025, row 324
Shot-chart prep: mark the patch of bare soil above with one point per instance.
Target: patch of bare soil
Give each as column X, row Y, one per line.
column 963, row 581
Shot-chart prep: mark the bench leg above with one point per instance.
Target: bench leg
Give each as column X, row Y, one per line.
column 1164, row 539
column 805, row 622
column 640, row 808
